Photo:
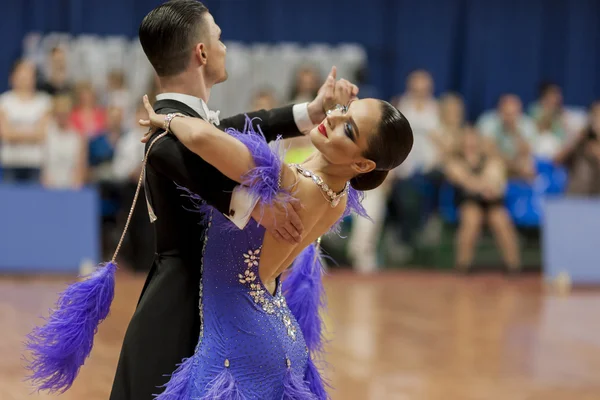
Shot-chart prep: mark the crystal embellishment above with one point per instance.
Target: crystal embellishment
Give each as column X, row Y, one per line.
column 272, row 305
column 332, row 197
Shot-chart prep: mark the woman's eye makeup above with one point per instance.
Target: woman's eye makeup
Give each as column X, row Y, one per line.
column 349, row 131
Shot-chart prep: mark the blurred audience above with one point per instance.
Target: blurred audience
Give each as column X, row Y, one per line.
column 66, row 136
column 582, row 158
column 88, row 118
column 307, row 82
column 264, row 99
column 117, row 94
column 23, row 123
column 512, row 135
column 102, row 147
column 65, row 164
column 127, row 167
column 55, row 80
column 480, row 181
column 418, row 103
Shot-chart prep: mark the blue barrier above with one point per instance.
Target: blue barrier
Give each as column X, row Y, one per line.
column 570, row 232
column 47, row 231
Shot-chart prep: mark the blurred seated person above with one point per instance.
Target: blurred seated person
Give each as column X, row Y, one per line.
column 418, row 103
column 56, row 79
column 24, row 114
column 512, row 135
column 480, row 181
column 117, row 94
column 550, row 119
column 102, row 147
column 448, row 134
column 66, row 153
column 88, row 118
column 582, row 158
column 365, row 234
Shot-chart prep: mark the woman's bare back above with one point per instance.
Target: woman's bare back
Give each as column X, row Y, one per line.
column 317, row 216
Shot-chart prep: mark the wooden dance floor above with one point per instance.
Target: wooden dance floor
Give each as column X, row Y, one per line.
column 397, row 336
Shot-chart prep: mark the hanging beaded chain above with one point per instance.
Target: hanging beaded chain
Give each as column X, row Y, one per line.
column 332, row 197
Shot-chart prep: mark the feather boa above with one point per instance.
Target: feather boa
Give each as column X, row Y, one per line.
column 60, row 347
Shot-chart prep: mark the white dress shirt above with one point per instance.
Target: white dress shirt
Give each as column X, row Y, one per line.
column 242, row 201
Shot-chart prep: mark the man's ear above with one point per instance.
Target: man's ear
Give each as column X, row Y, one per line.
column 200, row 53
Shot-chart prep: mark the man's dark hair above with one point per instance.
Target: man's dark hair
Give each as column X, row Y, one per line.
column 169, row 32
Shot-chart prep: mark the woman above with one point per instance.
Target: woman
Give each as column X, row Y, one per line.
column 256, row 342
column 24, row 115
column 66, row 160
column 481, row 183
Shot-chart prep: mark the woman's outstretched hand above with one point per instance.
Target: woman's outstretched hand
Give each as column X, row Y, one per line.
column 153, row 122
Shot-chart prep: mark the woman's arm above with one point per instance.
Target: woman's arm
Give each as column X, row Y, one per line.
column 458, row 175
column 221, row 150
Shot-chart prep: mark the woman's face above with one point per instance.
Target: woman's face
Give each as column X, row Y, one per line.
column 344, row 136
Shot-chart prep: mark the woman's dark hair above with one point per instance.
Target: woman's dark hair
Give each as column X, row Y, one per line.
column 388, row 148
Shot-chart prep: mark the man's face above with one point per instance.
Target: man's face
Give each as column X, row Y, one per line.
column 215, row 52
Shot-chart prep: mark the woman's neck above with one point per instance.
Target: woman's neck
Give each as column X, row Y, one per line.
column 333, row 175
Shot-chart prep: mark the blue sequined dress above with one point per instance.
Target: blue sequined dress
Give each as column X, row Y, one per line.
column 251, row 345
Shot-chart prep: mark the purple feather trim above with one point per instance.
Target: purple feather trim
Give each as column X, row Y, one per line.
column 315, row 382
column 178, row 387
column 295, row 388
column 60, row 347
column 264, row 179
column 223, row 387
column 353, row 205
column 198, row 203
column 305, row 296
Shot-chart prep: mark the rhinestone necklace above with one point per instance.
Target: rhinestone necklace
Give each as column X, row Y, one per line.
column 332, row 197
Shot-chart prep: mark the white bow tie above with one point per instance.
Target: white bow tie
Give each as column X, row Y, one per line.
column 213, row 117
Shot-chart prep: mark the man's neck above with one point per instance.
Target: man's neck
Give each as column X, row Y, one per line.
column 186, row 84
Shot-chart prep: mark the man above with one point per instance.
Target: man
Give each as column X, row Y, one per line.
column 182, row 42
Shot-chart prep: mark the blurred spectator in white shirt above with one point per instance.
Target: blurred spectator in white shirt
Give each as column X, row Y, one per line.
column 452, row 122
column 555, row 122
column 513, row 135
column 65, row 165
column 23, row 124
column 418, row 104
column 129, row 151
column 117, row 94
column 420, row 107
